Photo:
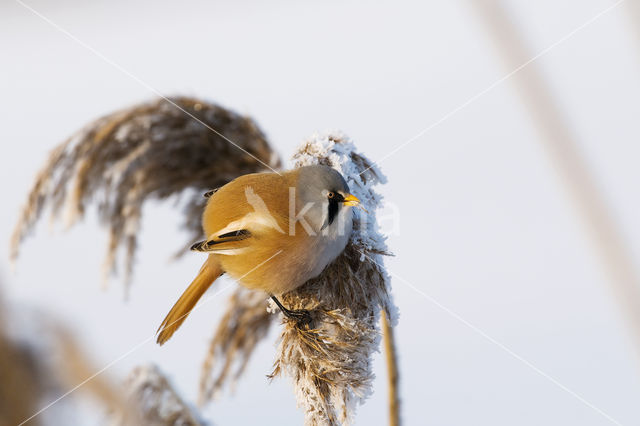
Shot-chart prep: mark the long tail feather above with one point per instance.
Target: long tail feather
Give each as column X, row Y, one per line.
column 208, row 273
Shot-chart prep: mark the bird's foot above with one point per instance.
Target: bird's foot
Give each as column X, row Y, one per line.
column 302, row 317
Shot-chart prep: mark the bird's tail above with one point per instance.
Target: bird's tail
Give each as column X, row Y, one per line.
column 210, row 270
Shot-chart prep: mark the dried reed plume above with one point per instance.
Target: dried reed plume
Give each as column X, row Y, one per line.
column 154, row 401
column 40, row 360
column 156, row 151
column 153, row 150
column 330, row 362
column 244, row 324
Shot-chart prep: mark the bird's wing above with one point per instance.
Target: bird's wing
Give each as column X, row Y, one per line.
column 232, row 240
column 254, row 203
column 208, row 194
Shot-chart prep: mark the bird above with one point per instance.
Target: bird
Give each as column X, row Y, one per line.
column 271, row 232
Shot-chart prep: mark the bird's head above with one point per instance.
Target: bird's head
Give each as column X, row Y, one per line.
column 324, row 193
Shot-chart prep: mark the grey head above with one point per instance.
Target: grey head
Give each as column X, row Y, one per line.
column 324, row 193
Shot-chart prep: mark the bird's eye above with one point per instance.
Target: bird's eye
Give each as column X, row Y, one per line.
column 331, row 194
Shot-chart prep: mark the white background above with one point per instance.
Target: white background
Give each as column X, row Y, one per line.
column 486, row 227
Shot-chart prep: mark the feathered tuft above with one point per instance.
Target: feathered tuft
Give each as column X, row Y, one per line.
column 331, row 364
column 150, row 151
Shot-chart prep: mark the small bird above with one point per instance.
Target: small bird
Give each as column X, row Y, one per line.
column 270, row 232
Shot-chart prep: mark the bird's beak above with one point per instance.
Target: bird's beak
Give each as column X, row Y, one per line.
column 350, row 200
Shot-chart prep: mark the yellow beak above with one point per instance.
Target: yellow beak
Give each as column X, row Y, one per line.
column 350, row 200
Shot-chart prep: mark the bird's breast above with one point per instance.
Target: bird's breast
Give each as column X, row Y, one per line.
column 277, row 263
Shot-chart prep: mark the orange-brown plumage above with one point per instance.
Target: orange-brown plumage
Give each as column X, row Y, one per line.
column 208, row 273
column 254, row 233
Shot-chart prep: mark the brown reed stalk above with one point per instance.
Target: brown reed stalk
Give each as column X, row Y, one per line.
column 392, row 371
column 563, row 148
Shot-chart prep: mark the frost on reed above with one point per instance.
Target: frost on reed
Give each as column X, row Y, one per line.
column 330, row 362
column 150, row 151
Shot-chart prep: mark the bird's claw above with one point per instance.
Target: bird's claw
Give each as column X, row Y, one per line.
column 302, row 317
